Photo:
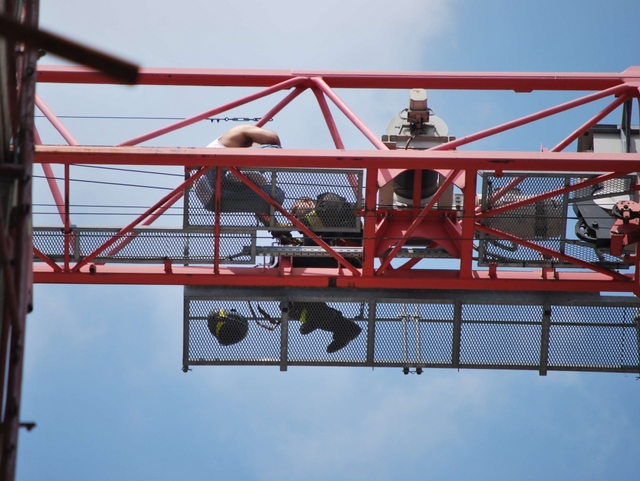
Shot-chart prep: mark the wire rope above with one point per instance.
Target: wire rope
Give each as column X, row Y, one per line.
column 102, row 182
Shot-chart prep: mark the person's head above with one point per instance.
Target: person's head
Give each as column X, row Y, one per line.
column 302, row 207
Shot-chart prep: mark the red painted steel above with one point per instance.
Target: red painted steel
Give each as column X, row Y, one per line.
column 551, row 252
column 416, row 222
column 591, row 122
column 45, row 258
column 126, row 240
column 55, row 191
column 618, row 89
column 468, row 224
column 547, row 195
column 216, row 232
column 350, row 159
column 360, row 125
column 125, row 230
column 296, row 223
column 331, row 124
column 515, row 81
column 370, row 222
column 532, row 280
column 51, row 181
column 455, row 235
column 59, row 126
column 279, row 106
column 333, row 130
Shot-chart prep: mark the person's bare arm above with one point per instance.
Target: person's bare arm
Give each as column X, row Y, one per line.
column 247, row 135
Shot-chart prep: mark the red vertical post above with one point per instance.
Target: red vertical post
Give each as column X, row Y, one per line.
column 637, row 259
column 468, row 222
column 216, row 224
column 370, row 219
column 67, row 223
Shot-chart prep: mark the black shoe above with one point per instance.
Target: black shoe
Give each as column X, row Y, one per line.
column 308, row 327
column 341, row 339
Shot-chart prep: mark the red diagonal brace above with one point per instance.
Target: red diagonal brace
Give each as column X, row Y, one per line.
column 45, row 258
column 532, row 117
column 280, row 105
column 551, row 253
column 299, row 225
column 548, row 195
column 223, row 108
column 139, row 219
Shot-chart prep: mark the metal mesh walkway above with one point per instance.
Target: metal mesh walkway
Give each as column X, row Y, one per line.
column 437, row 329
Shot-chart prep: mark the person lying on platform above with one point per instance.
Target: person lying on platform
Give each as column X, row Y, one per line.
column 329, row 210
column 246, row 136
column 318, row 315
column 235, row 195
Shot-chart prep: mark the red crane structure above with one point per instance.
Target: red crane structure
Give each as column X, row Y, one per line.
column 446, row 257
column 532, row 239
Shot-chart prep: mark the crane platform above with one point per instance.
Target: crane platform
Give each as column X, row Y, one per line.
column 425, row 329
column 439, row 256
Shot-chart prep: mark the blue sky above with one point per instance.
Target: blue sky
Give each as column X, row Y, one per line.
column 102, row 376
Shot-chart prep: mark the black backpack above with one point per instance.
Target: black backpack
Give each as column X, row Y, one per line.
column 335, row 211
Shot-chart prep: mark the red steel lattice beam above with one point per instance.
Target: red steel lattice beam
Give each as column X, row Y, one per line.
column 381, row 165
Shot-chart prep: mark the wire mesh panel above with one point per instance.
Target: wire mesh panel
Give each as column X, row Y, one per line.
column 147, row 245
column 500, row 336
column 334, row 332
column 575, row 223
column 240, row 206
column 205, row 337
column 413, row 334
column 593, row 338
column 317, row 332
column 294, row 329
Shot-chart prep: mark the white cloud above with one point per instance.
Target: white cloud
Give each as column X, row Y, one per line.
column 345, row 424
column 331, row 34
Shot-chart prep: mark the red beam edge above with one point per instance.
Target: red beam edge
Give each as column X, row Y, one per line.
column 395, row 279
column 517, row 81
column 330, row 158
